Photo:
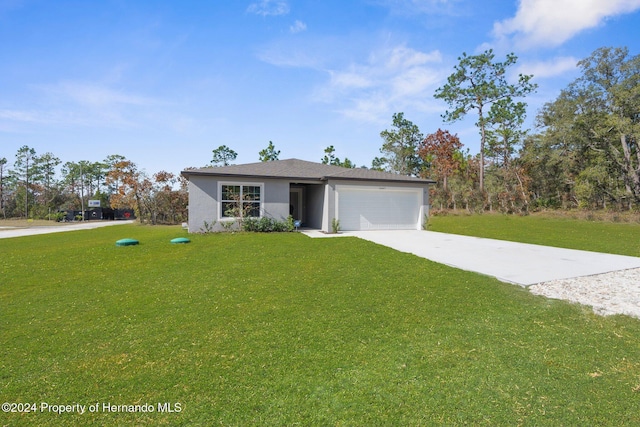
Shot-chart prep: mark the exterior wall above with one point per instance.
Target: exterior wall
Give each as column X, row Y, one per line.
column 276, row 199
column 203, row 205
column 320, row 200
column 424, row 215
column 204, row 200
column 328, row 207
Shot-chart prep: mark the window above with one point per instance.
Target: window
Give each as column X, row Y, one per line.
column 240, row 200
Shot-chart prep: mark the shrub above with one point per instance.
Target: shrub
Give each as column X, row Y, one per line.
column 208, row 227
column 267, row 225
column 58, row 216
column 335, row 225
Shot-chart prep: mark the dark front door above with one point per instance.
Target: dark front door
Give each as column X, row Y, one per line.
column 295, row 204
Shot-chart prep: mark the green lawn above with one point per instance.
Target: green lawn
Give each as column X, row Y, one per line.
column 280, row 329
column 608, row 237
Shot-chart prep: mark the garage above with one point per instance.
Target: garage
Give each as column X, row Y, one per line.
column 378, row 208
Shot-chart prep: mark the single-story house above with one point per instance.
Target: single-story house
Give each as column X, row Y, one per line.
column 313, row 193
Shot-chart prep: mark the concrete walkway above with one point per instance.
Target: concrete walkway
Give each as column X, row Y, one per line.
column 6, row 233
column 519, row 263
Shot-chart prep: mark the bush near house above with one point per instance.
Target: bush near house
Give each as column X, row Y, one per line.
column 267, row 225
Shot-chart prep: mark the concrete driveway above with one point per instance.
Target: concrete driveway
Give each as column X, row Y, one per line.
column 519, row 263
column 6, row 233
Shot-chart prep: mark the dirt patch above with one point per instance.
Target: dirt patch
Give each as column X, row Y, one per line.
column 27, row 223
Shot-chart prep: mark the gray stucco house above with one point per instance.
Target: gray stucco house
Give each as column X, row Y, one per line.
column 313, row 193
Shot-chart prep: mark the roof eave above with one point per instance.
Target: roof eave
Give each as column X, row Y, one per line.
column 326, row 178
column 403, row 181
column 186, row 174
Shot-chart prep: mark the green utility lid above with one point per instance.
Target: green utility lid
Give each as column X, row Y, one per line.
column 180, row 240
column 127, row 242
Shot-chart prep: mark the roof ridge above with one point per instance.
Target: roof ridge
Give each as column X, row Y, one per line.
column 302, row 169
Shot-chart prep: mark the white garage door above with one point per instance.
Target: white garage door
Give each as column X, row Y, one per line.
column 378, row 208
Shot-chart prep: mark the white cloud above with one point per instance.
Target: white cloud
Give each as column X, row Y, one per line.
column 552, row 68
column 298, row 27
column 414, row 81
column 296, row 57
column 94, row 95
column 390, row 80
column 349, row 79
column 18, row 116
column 387, row 66
column 413, row 7
column 48, row 117
column 373, row 108
column 269, row 7
column 552, row 22
column 82, row 104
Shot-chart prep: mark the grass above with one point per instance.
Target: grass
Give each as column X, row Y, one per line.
column 280, row 329
column 608, row 237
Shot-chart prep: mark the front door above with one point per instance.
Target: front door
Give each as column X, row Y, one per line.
column 295, row 204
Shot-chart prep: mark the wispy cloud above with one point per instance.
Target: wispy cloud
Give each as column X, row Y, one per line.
column 269, row 7
column 299, row 52
column 81, row 104
column 552, row 22
column 57, row 117
column 392, row 79
column 298, row 27
column 413, row 7
column 94, row 95
column 551, row 68
column 18, row 116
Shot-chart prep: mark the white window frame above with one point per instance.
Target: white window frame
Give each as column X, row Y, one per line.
column 240, row 184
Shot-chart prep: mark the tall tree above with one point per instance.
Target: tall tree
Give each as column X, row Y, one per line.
column 95, row 175
column 130, row 182
column 554, row 157
column 441, row 151
column 478, row 83
column 588, row 152
column 75, row 177
column 379, row 164
column 47, row 164
column 223, row 156
column 23, row 171
column 3, row 163
column 330, row 158
column 110, row 164
column 610, row 88
column 269, row 154
column 505, row 133
column 400, row 147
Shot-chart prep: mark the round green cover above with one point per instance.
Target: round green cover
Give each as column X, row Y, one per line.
column 180, row 240
column 126, row 242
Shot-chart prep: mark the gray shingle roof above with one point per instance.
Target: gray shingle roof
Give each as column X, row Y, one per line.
column 301, row 169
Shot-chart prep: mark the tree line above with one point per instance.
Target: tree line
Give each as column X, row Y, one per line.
column 33, row 188
column 584, row 152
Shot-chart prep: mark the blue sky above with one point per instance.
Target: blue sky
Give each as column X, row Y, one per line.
column 163, row 83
